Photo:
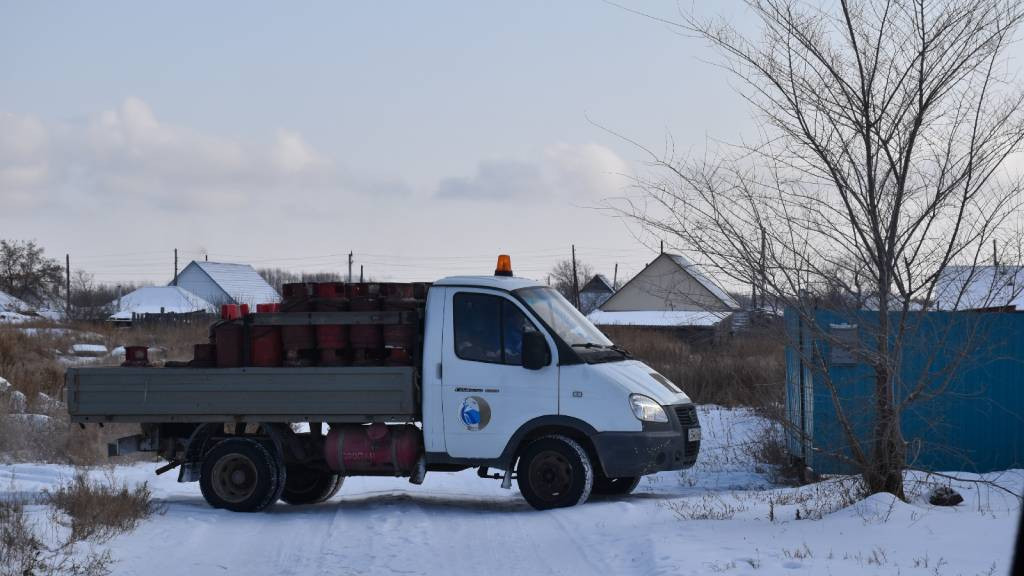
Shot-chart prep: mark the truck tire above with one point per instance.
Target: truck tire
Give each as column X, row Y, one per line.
column 241, row 475
column 310, row 486
column 554, row 472
column 605, row 486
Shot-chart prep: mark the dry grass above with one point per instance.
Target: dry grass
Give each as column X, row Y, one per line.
column 25, row 551
column 747, row 369
column 33, row 360
column 99, row 510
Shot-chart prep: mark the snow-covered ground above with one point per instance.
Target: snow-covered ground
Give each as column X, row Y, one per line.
column 723, row 517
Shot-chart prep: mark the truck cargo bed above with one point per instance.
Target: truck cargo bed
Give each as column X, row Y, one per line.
column 329, row 394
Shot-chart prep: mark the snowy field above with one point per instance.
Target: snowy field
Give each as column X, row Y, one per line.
column 723, row 517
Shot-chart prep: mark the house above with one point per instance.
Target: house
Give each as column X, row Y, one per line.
column 222, row 283
column 980, row 288
column 669, row 293
column 594, row 293
column 158, row 300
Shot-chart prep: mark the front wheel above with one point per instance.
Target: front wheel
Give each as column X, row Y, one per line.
column 241, row 475
column 554, row 472
column 605, row 486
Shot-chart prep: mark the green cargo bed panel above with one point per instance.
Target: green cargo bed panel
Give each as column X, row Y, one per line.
column 332, row 394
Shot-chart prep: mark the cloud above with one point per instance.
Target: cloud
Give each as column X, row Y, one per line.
column 587, row 171
column 496, row 179
column 128, row 154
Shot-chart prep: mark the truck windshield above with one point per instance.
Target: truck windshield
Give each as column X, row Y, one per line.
column 562, row 317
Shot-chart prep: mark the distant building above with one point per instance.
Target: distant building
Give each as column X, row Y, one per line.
column 157, row 300
column 222, row 283
column 671, row 292
column 980, row 288
column 594, row 293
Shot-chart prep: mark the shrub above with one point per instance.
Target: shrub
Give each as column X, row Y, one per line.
column 100, row 510
column 23, row 552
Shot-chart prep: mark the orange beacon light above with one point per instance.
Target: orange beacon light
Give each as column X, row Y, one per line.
column 504, row 267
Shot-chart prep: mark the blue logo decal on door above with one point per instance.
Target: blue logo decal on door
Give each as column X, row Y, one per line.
column 475, row 413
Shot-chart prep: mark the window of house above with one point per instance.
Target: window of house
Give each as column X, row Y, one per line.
column 489, row 329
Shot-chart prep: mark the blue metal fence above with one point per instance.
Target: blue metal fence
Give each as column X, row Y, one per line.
column 963, row 371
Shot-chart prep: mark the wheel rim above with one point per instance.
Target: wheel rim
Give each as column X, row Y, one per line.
column 234, row 478
column 550, row 475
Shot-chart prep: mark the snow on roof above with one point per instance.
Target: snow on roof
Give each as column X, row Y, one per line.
column 13, row 310
column 704, row 280
column 657, row 318
column 972, row 287
column 240, row 281
column 156, row 299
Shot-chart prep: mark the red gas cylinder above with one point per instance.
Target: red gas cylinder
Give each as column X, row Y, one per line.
column 228, row 336
column 332, row 340
column 136, row 356
column 299, row 342
column 204, row 356
column 265, row 347
column 375, row 450
column 400, row 339
column 229, row 311
column 366, row 339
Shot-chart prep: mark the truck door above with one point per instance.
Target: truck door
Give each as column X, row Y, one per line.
column 487, row 394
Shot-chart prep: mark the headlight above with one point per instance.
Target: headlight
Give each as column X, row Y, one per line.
column 646, row 409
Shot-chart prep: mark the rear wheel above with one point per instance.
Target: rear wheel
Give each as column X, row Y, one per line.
column 606, row 486
column 240, row 474
column 554, row 472
column 310, row 486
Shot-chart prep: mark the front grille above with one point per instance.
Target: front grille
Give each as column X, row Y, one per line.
column 687, row 416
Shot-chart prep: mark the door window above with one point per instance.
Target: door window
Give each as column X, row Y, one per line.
column 489, row 329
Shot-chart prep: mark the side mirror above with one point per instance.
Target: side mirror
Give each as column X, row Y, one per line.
column 535, row 351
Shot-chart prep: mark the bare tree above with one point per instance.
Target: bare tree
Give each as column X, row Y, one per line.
column 562, row 277
column 26, row 273
column 886, row 126
column 278, row 277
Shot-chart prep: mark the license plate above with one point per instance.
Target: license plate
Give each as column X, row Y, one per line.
column 693, row 435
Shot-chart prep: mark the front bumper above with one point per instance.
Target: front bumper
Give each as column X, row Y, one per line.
column 655, row 449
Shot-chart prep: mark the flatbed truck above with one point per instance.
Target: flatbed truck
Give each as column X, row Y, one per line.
column 509, row 378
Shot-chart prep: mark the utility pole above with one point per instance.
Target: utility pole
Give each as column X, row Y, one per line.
column 575, row 280
column 662, row 247
column 360, row 273
column 175, row 283
column 67, row 285
column 350, row 267
column 615, row 278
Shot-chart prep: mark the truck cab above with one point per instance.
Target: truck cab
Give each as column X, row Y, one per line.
column 508, row 362
column 497, row 373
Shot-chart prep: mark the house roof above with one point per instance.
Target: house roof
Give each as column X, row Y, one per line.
column 598, row 284
column 240, row 281
column 12, row 309
column 156, row 299
column 973, row 287
column 705, row 281
column 667, row 318
column 690, row 268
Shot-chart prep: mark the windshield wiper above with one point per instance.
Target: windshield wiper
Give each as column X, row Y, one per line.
column 613, row 347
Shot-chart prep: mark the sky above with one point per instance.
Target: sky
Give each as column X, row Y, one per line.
column 424, row 137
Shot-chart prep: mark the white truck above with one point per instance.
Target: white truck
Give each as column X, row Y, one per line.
column 509, row 378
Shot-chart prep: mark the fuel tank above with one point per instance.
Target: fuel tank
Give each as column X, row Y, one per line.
column 373, row 450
